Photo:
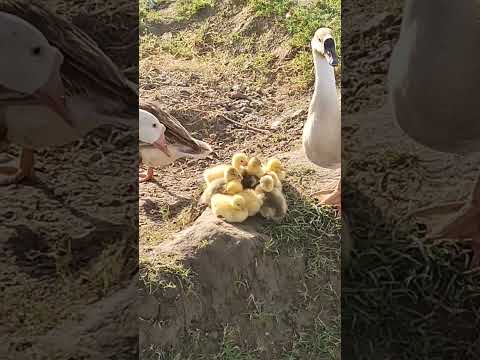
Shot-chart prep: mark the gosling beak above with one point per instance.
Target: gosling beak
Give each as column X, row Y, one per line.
column 52, row 94
column 330, row 52
column 161, row 144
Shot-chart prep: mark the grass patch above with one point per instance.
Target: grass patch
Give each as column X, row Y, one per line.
column 267, row 8
column 300, row 70
column 311, row 229
column 301, row 21
column 148, row 16
column 161, row 274
column 305, row 20
column 179, row 46
column 322, row 341
column 403, row 296
column 186, row 9
column 229, row 349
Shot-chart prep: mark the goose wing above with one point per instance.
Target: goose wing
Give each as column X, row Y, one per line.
column 175, row 132
column 86, row 69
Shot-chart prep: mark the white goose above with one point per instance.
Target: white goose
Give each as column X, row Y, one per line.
column 55, row 84
column 322, row 130
column 164, row 140
column 434, row 81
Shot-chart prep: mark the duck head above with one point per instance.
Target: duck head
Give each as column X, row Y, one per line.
column 254, row 164
column 239, row 160
column 151, row 131
column 323, row 44
column 266, row 183
column 275, row 165
column 30, row 65
column 232, row 174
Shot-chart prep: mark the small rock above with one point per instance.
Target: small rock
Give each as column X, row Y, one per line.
column 276, row 124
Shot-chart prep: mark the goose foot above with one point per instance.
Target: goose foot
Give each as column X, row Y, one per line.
column 148, row 177
column 332, row 198
column 458, row 221
column 10, row 175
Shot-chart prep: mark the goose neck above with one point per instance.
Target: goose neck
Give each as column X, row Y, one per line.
column 325, row 88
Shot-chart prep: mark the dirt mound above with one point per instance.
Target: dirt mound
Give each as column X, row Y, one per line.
column 231, row 275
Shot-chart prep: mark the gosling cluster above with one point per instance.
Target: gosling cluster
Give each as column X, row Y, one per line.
column 245, row 188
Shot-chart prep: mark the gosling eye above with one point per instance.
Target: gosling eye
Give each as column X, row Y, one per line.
column 37, row 50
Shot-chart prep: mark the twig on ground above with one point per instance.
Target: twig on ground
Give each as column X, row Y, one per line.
column 263, row 131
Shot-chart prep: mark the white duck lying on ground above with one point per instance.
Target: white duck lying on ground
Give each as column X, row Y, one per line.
column 42, row 52
column 164, row 140
column 322, row 131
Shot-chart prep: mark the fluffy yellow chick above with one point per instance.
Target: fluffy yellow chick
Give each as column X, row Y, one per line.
column 276, row 166
column 233, row 187
column 230, row 208
column 255, row 167
column 230, row 183
column 238, row 161
column 253, row 201
column 266, row 184
column 277, row 184
column 274, row 205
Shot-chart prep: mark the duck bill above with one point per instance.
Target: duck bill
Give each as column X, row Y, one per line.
column 330, row 52
column 52, row 94
column 331, row 56
column 161, row 144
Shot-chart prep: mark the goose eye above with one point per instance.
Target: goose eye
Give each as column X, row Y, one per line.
column 37, row 50
column 154, row 125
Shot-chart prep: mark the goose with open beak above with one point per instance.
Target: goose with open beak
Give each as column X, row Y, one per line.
column 322, row 132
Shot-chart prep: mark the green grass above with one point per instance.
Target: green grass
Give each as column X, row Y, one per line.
column 311, row 229
column 229, row 349
column 148, row 16
column 268, row 8
column 400, row 287
column 302, row 20
column 322, row 341
column 186, row 9
column 250, row 54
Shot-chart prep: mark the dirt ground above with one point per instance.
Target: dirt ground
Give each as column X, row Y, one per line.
column 203, row 104
column 234, row 109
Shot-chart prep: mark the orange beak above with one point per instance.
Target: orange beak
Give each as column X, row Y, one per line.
column 52, row 94
column 161, row 144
